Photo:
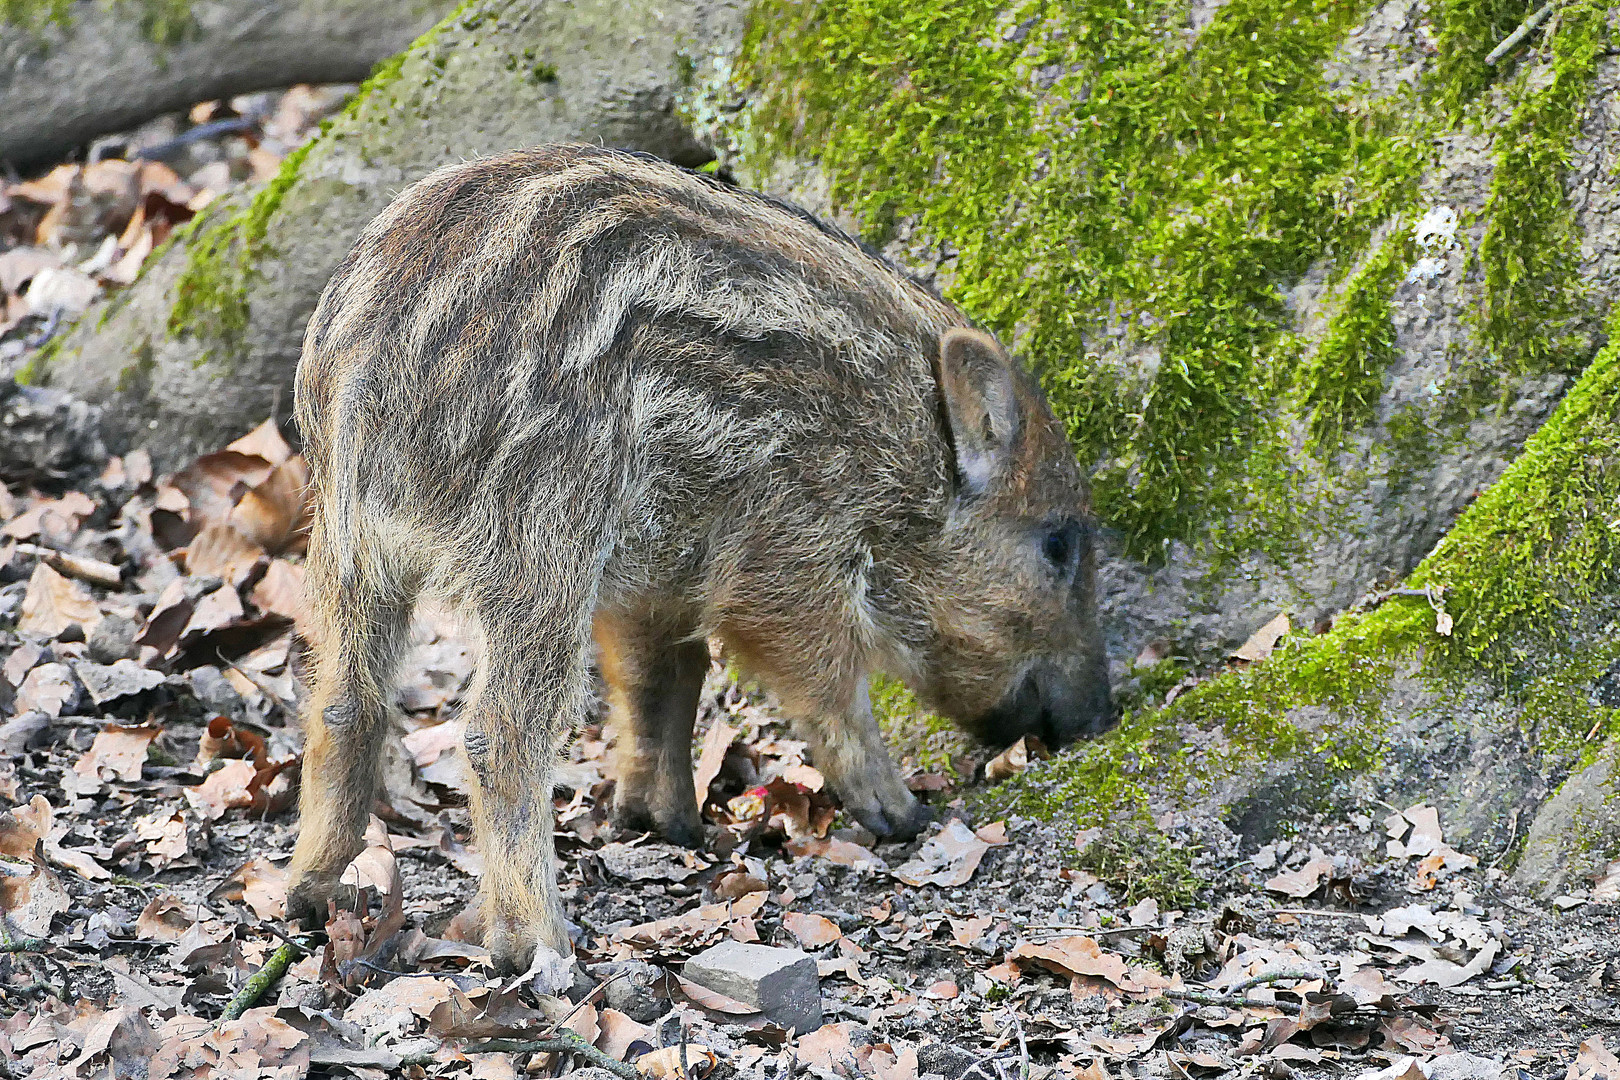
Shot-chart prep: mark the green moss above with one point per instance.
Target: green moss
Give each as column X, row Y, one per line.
column 1142, row 862
column 1532, row 313
column 1465, row 33
column 224, row 249
column 36, row 370
column 1343, row 380
column 36, row 15
column 163, row 22
column 1093, row 173
column 139, row 369
column 1541, row 545
column 924, row 740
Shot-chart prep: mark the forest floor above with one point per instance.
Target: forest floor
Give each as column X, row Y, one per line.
column 150, row 764
column 148, row 761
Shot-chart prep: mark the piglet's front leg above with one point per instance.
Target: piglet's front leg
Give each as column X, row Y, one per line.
column 848, row 749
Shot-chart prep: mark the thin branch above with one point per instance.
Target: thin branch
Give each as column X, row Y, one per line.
column 262, row 980
column 1525, row 29
column 565, row 1042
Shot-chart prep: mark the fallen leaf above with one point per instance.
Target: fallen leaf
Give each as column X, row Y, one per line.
column 1015, row 759
column 275, row 514
column 715, row 744
column 1304, row 881
column 1080, row 955
column 665, row 1064
column 54, row 602
column 221, row 550
column 1442, row 972
column 166, row 917
column 1593, row 1061
column 1263, row 641
column 281, row 590
column 223, row 789
column 842, row 852
column 121, row 750
column 164, row 835
column 261, row 885
column 947, row 860
column 813, row 931
column 48, row 688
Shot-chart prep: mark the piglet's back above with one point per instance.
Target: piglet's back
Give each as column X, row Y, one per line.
column 568, row 273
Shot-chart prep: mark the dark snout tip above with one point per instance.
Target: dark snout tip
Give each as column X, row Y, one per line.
column 1053, row 709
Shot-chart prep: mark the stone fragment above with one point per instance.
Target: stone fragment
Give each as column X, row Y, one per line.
column 781, row 983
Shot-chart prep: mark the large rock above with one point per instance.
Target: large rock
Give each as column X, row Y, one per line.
column 491, row 77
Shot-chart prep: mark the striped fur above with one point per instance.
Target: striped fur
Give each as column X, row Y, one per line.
column 604, row 406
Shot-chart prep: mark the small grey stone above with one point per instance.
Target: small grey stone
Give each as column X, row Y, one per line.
column 632, row 988
column 945, row 1060
column 109, row 682
column 781, row 983
column 215, row 692
column 23, row 732
column 113, row 640
column 1463, row 1066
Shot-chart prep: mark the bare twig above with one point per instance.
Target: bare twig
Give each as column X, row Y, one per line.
column 1266, row 978
column 1526, row 28
column 262, row 980
column 565, row 1041
column 1311, row 911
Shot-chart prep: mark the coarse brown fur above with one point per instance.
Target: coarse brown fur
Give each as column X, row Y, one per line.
column 603, row 406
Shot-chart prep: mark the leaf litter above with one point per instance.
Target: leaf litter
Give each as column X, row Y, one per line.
column 151, row 776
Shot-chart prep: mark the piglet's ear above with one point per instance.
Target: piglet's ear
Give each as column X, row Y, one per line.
column 976, row 383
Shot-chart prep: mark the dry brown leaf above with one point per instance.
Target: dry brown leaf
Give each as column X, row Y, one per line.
column 813, row 931
column 264, row 441
column 48, row 688
column 715, row 744
column 1594, row 1062
column 165, row 918
column 1304, row 881
column 804, row 776
column 1015, row 759
column 665, row 1064
column 22, row 828
column 281, row 590
column 31, row 898
column 948, row 859
column 120, row 750
column 164, row 835
column 54, row 602
column 215, row 611
column 215, row 483
column 620, row 1034
column 828, row 1047
column 842, row 852
column 220, row 550
column 275, row 514
column 1264, row 640
column 223, row 789
column 1425, row 838
column 261, row 885
column 1080, row 955
column 1606, row 890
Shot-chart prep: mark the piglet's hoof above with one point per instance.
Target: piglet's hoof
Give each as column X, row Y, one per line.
column 311, row 897
column 893, row 823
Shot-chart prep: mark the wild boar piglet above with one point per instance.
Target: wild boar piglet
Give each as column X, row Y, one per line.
column 608, row 409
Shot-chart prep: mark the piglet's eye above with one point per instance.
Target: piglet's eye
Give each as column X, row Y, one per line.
column 1060, row 544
